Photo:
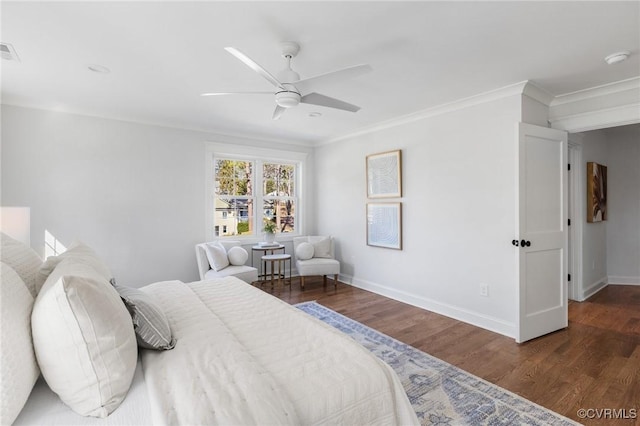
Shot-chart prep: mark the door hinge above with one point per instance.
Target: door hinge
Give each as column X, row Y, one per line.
column 569, row 277
column 569, row 220
column 568, row 166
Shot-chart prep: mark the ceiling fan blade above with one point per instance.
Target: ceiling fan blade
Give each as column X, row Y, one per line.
column 278, row 112
column 333, row 76
column 326, row 101
column 254, row 66
column 236, row 93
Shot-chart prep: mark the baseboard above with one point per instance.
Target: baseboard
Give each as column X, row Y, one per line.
column 593, row 289
column 479, row 320
column 614, row 279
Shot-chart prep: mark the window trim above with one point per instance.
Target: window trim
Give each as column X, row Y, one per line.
column 257, row 155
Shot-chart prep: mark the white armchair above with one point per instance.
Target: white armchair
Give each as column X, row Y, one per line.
column 322, row 261
column 246, row 273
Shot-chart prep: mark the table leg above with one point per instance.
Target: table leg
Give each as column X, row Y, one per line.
column 280, row 286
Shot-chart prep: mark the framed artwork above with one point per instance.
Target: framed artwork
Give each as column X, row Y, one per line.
column 384, row 225
column 384, row 175
column 596, row 192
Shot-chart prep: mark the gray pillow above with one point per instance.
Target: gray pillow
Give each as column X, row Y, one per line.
column 149, row 322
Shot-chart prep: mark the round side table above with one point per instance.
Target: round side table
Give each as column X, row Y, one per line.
column 262, row 271
column 281, row 259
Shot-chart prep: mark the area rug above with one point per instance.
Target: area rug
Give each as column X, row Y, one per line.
column 441, row 393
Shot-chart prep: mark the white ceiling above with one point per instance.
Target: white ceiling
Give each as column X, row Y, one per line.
column 162, row 55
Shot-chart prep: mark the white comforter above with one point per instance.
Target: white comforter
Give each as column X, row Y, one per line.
column 244, row 357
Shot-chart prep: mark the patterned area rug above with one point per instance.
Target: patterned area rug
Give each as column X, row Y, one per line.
column 440, row 393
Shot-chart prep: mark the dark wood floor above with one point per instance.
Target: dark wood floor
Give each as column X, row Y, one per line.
column 593, row 364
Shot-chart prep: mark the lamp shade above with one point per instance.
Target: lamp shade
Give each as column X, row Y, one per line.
column 16, row 223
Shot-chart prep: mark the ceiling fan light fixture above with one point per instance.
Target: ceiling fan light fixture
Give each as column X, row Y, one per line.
column 614, row 58
column 287, row 99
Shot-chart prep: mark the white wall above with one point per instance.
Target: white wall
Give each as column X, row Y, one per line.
column 133, row 192
column 458, row 212
column 594, row 235
column 623, row 205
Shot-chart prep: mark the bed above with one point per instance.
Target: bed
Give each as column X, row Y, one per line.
column 243, row 357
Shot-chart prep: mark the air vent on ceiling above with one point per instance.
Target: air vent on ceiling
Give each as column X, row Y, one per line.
column 8, row 52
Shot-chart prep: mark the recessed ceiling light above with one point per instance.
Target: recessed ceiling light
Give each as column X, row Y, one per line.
column 614, row 58
column 315, row 114
column 98, row 68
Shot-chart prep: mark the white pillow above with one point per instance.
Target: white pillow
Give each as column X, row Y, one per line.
column 237, row 256
column 78, row 251
column 84, row 339
column 304, row 251
column 322, row 248
column 18, row 367
column 217, row 256
column 22, row 259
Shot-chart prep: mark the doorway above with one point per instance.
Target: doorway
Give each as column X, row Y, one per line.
column 575, row 200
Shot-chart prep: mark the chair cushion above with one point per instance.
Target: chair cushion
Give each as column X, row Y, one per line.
column 247, row 274
column 22, row 259
column 217, row 256
column 304, row 251
column 318, row 266
column 237, row 256
column 84, row 339
column 322, row 248
column 18, row 366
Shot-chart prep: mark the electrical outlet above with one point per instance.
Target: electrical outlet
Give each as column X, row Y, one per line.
column 484, row 290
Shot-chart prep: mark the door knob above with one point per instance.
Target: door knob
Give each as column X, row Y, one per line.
column 525, row 243
column 515, row 243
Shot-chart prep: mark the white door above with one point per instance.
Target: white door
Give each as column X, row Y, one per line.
column 542, row 225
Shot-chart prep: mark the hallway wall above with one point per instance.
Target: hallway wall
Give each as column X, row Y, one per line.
column 623, row 205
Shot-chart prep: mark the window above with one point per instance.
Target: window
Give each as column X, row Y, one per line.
column 250, row 189
column 279, row 202
column 233, row 196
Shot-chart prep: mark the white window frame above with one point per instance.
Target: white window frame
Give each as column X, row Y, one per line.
column 258, row 156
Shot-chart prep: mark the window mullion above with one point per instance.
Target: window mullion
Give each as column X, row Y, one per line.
column 259, row 196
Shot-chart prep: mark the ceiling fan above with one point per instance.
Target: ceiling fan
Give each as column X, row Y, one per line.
column 290, row 89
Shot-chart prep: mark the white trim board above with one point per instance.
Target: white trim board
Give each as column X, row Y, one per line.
column 479, row 320
column 615, row 279
column 593, row 289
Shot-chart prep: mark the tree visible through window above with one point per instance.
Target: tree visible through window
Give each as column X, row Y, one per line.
column 242, row 184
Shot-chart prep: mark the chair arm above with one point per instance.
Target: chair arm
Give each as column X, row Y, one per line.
column 203, row 262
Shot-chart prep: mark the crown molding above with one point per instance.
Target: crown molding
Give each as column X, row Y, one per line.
column 213, row 135
column 503, row 92
column 537, row 93
column 597, row 91
column 598, row 119
column 600, row 107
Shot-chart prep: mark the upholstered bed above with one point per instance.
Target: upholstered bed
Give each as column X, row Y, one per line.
column 239, row 356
